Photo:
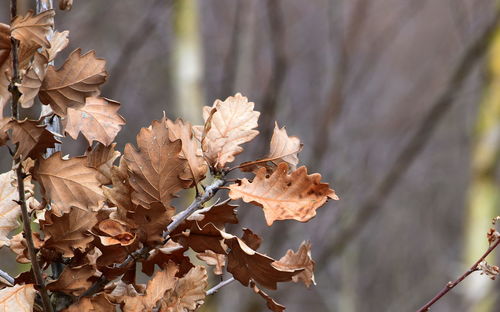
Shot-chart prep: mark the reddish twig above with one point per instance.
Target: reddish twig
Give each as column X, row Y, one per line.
column 450, row 285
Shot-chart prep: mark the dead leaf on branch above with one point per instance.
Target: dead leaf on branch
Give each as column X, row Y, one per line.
column 211, row 258
column 18, row 298
column 251, row 239
column 218, row 214
column 188, row 293
column 228, row 124
column 97, row 303
column 156, row 168
column 32, row 80
column 270, row 303
column 300, row 259
column 32, row 30
column 19, row 247
column 68, row 232
column 150, row 222
column 69, row 183
column 197, row 167
column 169, row 252
column 115, row 232
column 78, row 78
column 119, row 194
column 73, row 280
column 33, row 138
column 102, row 158
column 284, row 196
column 9, row 209
column 98, row 120
column 58, row 42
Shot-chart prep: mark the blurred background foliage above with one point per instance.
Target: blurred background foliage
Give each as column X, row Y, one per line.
column 355, row 80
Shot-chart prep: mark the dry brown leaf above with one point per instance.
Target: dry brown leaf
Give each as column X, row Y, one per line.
column 161, row 282
column 251, row 239
column 299, row 260
column 4, row 42
column 68, row 232
column 98, row 120
column 32, row 80
column 211, row 258
column 226, row 128
column 189, row 292
column 73, row 280
column 19, row 247
column 33, row 138
column 19, row 298
column 198, row 238
column 58, row 41
column 102, row 158
column 9, row 209
column 116, row 232
column 169, row 252
column 156, row 168
column 69, row 183
column 120, row 194
column 97, row 303
column 4, row 123
column 284, row 196
column 32, row 30
column 271, row 304
column 197, row 167
column 78, row 78
column 218, row 214
column 151, row 222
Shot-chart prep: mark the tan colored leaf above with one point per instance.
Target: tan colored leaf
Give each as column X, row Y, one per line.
column 98, row 120
column 58, row 42
column 199, row 238
column 9, row 209
column 102, row 158
column 19, row 246
column 69, row 183
column 19, row 298
column 116, row 232
column 189, row 292
column 78, row 78
column 284, row 196
column 73, row 280
column 33, row 138
column 97, row 303
column 229, row 126
column 156, row 168
column 161, row 282
column 169, row 252
column 151, row 222
column 251, row 239
column 68, row 232
column 211, row 258
column 197, row 167
column 32, row 30
column 120, row 194
column 4, row 43
column 299, row 260
column 271, row 304
column 32, row 80
column 218, row 214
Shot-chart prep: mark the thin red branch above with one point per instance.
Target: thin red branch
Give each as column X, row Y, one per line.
column 450, row 285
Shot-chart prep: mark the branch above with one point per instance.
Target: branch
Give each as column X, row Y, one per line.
column 141, row 253
column 451, row 285
column 407, row 155
column 7, row 277
column 216, row 288
column 16, row 94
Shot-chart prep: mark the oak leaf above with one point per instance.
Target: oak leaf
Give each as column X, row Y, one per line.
column 151, row 222
column 18, row 298
column 73, row 280
column 102, row 158
column 98, row 120
column 32, row 30
column 197, row 167
column 69, row 183
column 189, row 292
column 170, row 251
column 219, row 214
column 97, row 303
column 211, row 258
column 116, row 232
column 251, row 239
column 300, row 259
column 68, row 232
column 271, row 304
column 33, row 138
column 228, row 124
column 119, row 194
column 9, row 208
column 19, row 247
column 32, row 80
column 58, row 41
column 156, row 168
column 284, row 196
column 78, row 78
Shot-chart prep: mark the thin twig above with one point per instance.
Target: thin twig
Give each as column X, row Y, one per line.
column 216, row 288
column 7, row 277
column 16, row 94
column 141, row 253
column 450, row 285
column 419, row 139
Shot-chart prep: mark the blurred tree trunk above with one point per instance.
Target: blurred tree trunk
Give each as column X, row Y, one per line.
column 483, row 197
column 187, row 61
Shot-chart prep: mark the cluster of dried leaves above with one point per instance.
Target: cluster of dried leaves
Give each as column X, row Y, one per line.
column 102, row 213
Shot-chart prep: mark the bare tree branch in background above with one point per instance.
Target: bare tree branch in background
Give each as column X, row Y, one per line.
column 408, row 154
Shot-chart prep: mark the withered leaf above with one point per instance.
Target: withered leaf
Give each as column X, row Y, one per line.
column 271, row 304
column 32, row 30
column 102, row 158
column 18, row 298
column 4, row 42
column 197, row 167
column 98, row 120
column 19, row 247
column 58, row 42
column 32, row 80
column 32, row 137
column 170, row 251
column 78, row 78
column 198, row 238
column 73, row 280
column 9, row 209
column 69, row 183
column 284, row 196
column 251, row 239
column 161, row 282
column 211, row 258
column 97, row 303
column 116, row 232
column 230, row 125
column 68, row 232
column 120, row 194
column 297, row 260
column 219, row 214
column 156, row 168
column 151, row 222
column 4, row 123
column 189, row 292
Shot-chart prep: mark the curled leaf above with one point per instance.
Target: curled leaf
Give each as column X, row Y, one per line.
column 18, row 298
column 300, row 259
